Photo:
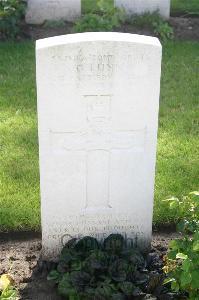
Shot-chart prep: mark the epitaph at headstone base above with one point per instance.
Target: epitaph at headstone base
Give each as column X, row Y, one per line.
column 98, row 98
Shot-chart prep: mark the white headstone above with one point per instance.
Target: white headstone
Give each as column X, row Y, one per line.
column 39, row 11
column 98, row 98
column 143, row 6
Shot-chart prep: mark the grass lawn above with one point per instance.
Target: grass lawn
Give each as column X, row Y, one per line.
column 19, row 177
column 185, row 6
column 178, row 141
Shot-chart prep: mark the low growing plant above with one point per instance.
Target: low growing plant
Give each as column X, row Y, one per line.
column 90, row 270
column 11, row 15
column 154, row 22
column 182, row 260
column 163, row 30
column 7, row 291
column 106, row 18
column 186, row 211
column 144, row 20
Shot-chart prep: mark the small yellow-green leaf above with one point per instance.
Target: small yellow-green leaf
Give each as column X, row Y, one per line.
column 168, row 280
column 196, row 246
column 181, row 256
column 196, row 193
column 174, row 204
column 171, row 199
column 5, row 281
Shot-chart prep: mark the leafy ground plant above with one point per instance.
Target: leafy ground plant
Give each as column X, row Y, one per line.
column 7, row 291
column 186, row 211
column 105, row 18
column 182, row 261
column 90, row 270
column 11, row 14
column 155, row 22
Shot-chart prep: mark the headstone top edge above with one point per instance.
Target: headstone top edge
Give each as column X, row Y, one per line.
column 95, row 37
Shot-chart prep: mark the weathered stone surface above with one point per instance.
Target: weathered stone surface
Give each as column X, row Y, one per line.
column 142, row 6
column 39, row 11
column 98, row 98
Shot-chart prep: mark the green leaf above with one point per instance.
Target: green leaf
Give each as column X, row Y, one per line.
column 196, row 193
column 8, row 294
column 172, row 254
column 135, row 257
column 97, row 260
column 175, row 286
column 185, row 279
column 181, row 256
column 195, row 279
column 196, row 246
column 174, row 245
column 171, row 199
column 65, row 287
column 196, row 236
column 103, row 291
column 181, row 226
column 79, row 279
column 54, row 275
column 118, row 270
column 186, row 265
column 126, row 288
column 114, row 243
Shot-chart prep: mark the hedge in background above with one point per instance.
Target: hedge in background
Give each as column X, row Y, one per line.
column 11, row 16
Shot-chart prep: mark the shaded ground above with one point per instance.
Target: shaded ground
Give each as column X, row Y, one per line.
column 184, row 28
column 20, row 258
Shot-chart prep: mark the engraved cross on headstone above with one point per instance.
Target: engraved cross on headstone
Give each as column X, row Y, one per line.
column 98, row 142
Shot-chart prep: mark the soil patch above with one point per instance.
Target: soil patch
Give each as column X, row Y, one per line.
column 185, row 28
column 21, row 259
